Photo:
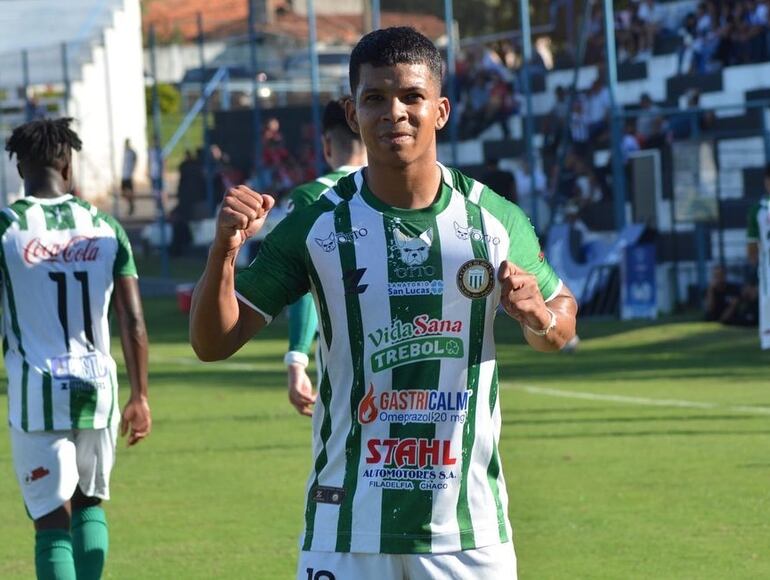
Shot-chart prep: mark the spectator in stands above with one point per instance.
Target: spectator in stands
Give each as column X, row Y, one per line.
column 692, row 120
column 743, row 310
column 501, row 104
column 650, row 125
column 707, row 37
column 578, row 129
column 720, row 295
column 598, row 111
column 476, row 107
column 499, row 180
column 191, row 203
column 650, row 22
column 688, row 34
column 127, row 175
column 629, row 144
column 524, row 180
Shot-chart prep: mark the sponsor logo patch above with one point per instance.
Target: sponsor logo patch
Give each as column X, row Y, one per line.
column 416, row 288
column 326, row 494
column 330, row 242
column 414, row 406
column 474, row 234
column 352, row 280
column 77, row 249
column 35, row 474
column 476, row 279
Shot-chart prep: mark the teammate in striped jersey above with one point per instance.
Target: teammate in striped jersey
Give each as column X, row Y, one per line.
column 344, row 151
column 407, row 262
column 60, row 261
column 758, row 254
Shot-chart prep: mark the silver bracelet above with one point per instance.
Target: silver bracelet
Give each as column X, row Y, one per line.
column 547, row 329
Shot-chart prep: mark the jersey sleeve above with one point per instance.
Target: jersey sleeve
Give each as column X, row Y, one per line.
column 279, row 274
column 303, row 323
column 124, row 265
column 524, row 249
column 304, row 195
column 752, row 227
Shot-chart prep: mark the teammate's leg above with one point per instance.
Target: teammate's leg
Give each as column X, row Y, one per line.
column 90, row 534
column 496, row 562
column 349, row 566
column 47, row 474
column 53, row 546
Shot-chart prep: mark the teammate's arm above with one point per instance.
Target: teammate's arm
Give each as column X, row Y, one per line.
column 547, row 326
column 136, row 420
column 303, row 324
column 219, row 323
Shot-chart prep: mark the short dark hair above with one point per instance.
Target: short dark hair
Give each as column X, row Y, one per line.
column 43, row 143
column 392, row 46
column 334, row 119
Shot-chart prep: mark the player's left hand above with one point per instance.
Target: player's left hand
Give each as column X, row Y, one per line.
column 521, row 297
column 136, row 421
column 301, row 394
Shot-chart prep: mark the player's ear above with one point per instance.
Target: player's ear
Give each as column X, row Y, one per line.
column 442, row 118
column 350, row 115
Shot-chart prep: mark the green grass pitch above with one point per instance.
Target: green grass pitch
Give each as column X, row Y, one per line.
column 645, row 455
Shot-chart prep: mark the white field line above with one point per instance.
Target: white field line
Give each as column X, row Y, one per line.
column 229, row 365
column 639, row 400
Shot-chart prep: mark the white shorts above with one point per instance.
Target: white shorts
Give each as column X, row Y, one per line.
column 496, row 562
column 50, row 464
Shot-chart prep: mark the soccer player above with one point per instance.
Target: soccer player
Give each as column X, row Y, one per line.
column 344, row 151
column 407, row 261
column 758, row 253
column 62, row 261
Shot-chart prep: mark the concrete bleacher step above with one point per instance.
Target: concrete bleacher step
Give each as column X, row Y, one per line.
column 680, row 84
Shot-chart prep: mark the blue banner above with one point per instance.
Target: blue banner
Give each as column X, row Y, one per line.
column 639, row 297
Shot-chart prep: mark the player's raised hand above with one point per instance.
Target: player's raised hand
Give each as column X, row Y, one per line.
column 521, row 297
column 136, row 421
column 242, row 215
column 301, row 394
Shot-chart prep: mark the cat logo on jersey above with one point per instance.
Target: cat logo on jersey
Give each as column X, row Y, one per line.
column 476, row 279
column 413, row 251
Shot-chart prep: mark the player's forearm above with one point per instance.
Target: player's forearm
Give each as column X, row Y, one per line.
column 133, row 338
column 303, row 324
column 564, row 308
column 214, row 329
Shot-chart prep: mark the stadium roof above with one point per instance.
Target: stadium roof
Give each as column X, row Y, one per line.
column 176, row 20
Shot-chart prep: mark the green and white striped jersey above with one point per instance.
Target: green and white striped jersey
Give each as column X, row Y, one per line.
column 407, row 423
column 58, row 260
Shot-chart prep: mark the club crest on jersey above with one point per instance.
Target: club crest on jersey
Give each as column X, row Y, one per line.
column 476, row 279
column 474, row 234
column 413, row 251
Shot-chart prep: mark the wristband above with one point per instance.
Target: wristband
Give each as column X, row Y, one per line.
column 547, row 329
column 295, row 357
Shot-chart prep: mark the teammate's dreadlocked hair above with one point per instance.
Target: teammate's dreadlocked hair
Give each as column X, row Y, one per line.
column 45, row 142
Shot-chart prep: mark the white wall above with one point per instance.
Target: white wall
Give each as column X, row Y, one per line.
column 108, row 104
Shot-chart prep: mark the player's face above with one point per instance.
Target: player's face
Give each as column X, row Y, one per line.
column 397, row 111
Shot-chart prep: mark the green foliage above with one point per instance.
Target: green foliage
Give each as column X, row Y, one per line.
column 169, row 99
column 602, row 485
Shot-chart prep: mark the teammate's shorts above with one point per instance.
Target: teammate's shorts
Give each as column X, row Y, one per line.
column 50, row 464
column 496, row 562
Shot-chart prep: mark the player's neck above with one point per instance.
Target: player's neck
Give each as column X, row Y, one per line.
column 45, row 185
column 411, row 187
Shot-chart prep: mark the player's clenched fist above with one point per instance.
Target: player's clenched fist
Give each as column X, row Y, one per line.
column 521, row 297
column 242, row 215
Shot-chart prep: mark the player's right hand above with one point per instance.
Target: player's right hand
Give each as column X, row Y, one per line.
column 301, row 394
column 242, row 215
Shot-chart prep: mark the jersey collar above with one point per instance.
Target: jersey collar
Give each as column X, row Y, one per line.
column 48, row 200
column 439, row 205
